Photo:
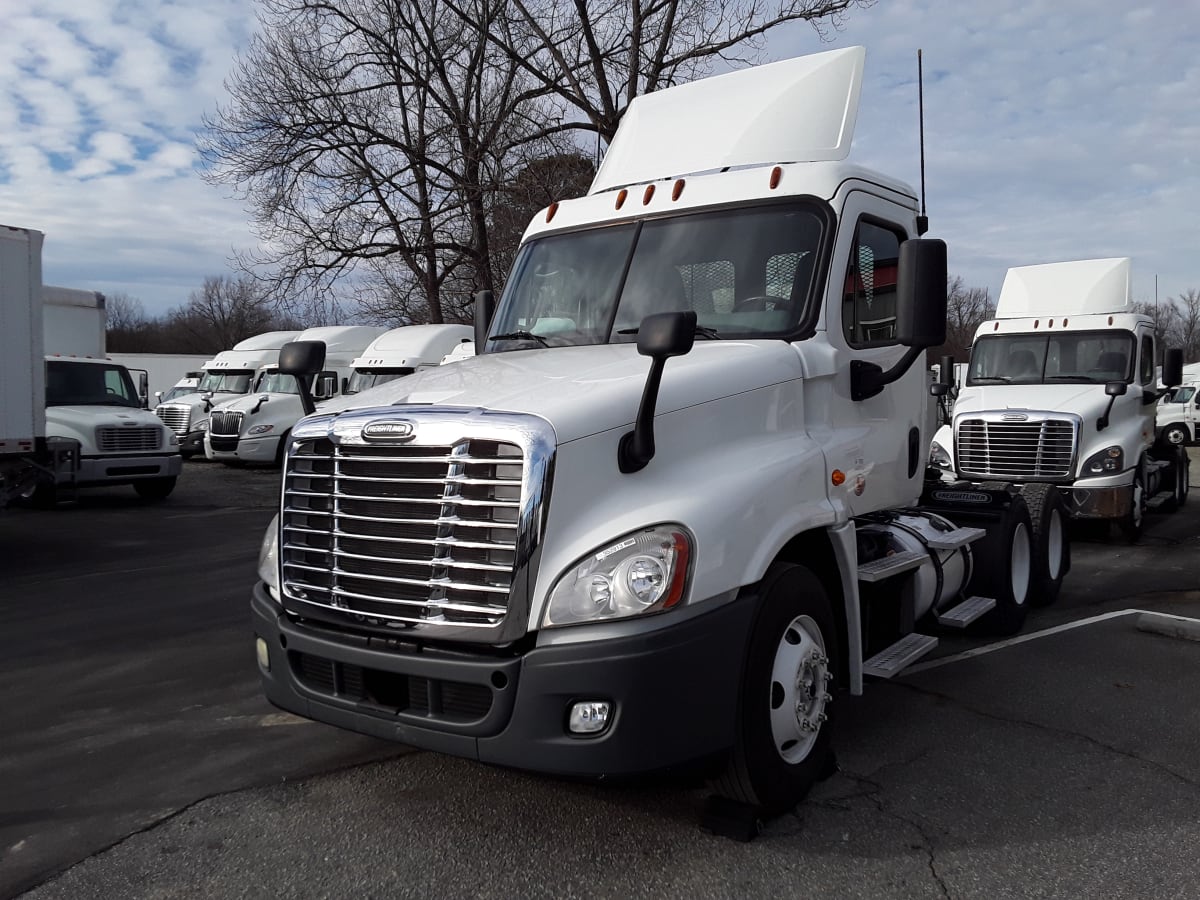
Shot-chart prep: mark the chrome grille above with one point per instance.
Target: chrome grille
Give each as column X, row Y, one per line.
column 397, row 536
column 129, row 439
column 177, row 418
column 1034, row 449
column 225, row 423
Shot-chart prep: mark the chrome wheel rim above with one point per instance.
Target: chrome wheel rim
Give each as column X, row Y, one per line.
column 799, row 689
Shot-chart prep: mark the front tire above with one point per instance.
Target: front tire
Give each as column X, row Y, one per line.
column 1131, row 525
column 154, row 489
column 1003, row 569
column 1051, row 549
column 785, row 716
column 1176, row 435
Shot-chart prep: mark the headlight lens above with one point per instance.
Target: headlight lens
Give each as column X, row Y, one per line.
column 172, row 438
column 939, row 457
column 1108, row 461
column 259, row 429
column 202, row 425
column 268, row 558
column 643, row 572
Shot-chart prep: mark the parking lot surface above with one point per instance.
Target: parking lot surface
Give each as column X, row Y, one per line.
column 140, row 760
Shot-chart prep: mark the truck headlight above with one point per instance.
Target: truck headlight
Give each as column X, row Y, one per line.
column 268, row 559
column 172, row 439
column 938, row 456
column 259, row 429
column 643, row 572
column 1108, row 461
column 202, row 425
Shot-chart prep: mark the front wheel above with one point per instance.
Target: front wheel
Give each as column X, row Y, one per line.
column 1130, row 524
column 154, row 488
column 1176, row 435
column 785, row 715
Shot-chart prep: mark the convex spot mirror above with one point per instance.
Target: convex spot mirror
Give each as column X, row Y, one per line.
column 1116, row 388
column 302, row 358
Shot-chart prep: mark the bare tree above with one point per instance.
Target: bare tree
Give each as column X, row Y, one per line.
column 966, row 309
column 224, row 311
column 597, row 57
column 373, row 131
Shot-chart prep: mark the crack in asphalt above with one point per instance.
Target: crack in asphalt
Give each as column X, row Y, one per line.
column 47, row 877
column 871, row 790
column 1050, row 729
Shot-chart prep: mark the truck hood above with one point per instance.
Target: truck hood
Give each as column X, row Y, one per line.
column 81, row 422
column 586, row 390
column 1087, row 400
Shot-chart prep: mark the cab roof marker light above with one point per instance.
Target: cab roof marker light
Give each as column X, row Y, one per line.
column 776, row 176
column 648, row 194
column 678, row 189
column 621, row 195
column 551, row 210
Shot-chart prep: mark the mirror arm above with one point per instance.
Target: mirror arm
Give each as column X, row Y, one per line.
column 637, row 446
column 867, row 379
column 1102, row 422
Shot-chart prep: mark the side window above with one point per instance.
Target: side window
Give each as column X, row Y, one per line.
column 869, row 293
column 1147, row 366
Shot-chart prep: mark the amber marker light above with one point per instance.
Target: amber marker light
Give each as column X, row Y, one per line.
column 553, row 208
column 621, row 195
column 838, row 478
column 649, row 193
column 683, row 551
column 776, row 175
column 677, row 190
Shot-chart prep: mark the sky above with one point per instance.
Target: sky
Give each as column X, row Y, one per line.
column 1054, row 130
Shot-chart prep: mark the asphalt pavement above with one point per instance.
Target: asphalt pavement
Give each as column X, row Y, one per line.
column 140, row 761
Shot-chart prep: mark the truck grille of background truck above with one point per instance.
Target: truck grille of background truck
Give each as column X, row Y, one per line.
column 129, row 439
column 1037, row 449
column 394, row 536
column 177, row 418
column 228, row 424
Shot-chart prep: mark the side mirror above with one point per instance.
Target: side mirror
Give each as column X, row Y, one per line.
column 1116, row 388
column 939, row 389
column 1172, row 370
column 345, row 384
column 660, row 337
column 921, row 293
column 303, row 359
column 946, row 370
column 667, row 334
column 158, row 396
column 485, row 308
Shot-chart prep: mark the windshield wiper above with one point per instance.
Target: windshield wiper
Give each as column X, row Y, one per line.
column 991, row 379
column 701, row 331
column 520, row 336
column 1083, row 379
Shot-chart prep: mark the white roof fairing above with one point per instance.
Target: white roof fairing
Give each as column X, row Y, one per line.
column 797, row 110
column 1081, row 287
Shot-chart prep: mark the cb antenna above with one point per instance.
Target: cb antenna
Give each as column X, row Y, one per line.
column 922, row 219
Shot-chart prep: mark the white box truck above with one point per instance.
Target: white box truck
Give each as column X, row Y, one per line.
column 93, row 405
column 678, row 499
column 227, row 376
column 253, row 428
column 1062, row 389
column 163, row 370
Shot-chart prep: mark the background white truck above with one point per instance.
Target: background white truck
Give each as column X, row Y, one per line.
column 675, row 502
column 253, row 428
column 404, row 350
column 1062, row 389
column 227, row 376
column 163, row 370
column 95, row 406
column 1178, row 414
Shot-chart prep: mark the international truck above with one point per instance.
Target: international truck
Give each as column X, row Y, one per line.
column 229, row 375
column 402, row 351
column 254, row 428
column 678, row 503
column 1062, row 390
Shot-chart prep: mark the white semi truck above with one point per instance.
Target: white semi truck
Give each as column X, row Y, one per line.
column 1062, row 389
column 229, row 375
column 253, row 428
column 1178, row 413
column 402, row 351
column 679, row 498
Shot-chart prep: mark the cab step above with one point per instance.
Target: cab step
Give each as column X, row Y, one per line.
column 959, row 537
column 887, row 566
column 900, row 655
column 966, row 612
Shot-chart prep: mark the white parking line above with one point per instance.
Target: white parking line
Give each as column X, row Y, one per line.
column 1057, row 629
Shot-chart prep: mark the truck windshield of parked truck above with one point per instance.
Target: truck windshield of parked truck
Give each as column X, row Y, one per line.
column 226, row 382
column 363, row 379
column 746, row 272
column 1084, row 357
column 276, row 383
column 89, row 384
column 1180, row 395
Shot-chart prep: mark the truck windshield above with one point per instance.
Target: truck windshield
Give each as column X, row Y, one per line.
column 226, row 382
column 1179, row 395
column 89, row 384
column 746, row 272
column 369, row 378
column 276, row 383
column 1083, row 357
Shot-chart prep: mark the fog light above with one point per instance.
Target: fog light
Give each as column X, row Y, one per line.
column 264, row 655
column 589, row 717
